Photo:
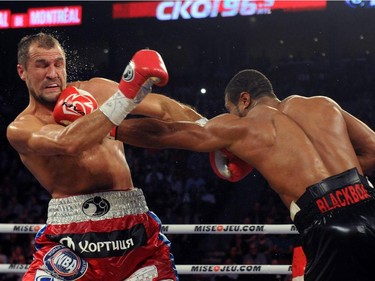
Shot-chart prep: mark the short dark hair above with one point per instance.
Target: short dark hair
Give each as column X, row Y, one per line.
column 43, row 40
column 251, row 81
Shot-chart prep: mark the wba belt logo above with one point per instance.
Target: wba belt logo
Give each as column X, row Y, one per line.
column 101, row 245
column 342, row 197
column 61, row 262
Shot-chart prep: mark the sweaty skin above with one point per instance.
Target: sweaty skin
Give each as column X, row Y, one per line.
column 78, row 158
column 293, row 143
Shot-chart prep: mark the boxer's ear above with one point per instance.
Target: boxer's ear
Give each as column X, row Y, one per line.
column 21, row 72
column 245, row 99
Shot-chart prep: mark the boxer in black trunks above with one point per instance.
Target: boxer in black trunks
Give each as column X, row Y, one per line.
column 312, row 153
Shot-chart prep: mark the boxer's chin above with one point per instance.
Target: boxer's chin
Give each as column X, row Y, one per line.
column 47, row 98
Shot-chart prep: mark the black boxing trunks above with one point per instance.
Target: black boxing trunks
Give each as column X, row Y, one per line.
column 336, row 222
column 101, row 236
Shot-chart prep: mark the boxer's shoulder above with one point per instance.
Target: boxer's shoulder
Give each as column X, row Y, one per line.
column 100, row 88
column 27, row 121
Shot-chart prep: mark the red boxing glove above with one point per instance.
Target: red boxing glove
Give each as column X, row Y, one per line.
column 145, row 69
column 72, row 104
column 228, row 166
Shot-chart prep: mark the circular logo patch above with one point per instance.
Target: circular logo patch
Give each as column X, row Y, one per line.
column 96, row 207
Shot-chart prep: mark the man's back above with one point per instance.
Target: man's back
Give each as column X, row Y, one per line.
column 302, row 141
column 323, row 123
column 275, row 145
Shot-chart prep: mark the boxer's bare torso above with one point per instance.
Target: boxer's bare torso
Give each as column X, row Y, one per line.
column 101, row 167
column 293, row 143
column 299, row 145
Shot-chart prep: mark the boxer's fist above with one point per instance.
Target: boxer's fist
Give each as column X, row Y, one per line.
column 145, row 69
column 72, row 104
column 228, row 166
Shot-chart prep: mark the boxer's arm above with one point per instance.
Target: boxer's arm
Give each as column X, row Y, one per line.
column 166, row 109
column 218, row 133
column 153, row 105
column 154, row 133
column 363, row 140
column 28, row 135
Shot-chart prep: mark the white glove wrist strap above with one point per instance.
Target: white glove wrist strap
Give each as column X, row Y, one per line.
column 117, row 107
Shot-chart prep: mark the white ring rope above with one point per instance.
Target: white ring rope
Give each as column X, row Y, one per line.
column 187, row 229
column 183, row 228
column 193, row 269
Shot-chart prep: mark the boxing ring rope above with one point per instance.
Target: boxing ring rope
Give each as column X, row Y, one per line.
column 188, row 269
column 183, row 228
column 187, row 229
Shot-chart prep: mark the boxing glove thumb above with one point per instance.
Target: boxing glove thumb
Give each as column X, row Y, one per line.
column 228, row 166
column 145, row 69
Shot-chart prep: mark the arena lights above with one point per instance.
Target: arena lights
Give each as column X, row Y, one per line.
column 39, row 17
column 198, row 9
